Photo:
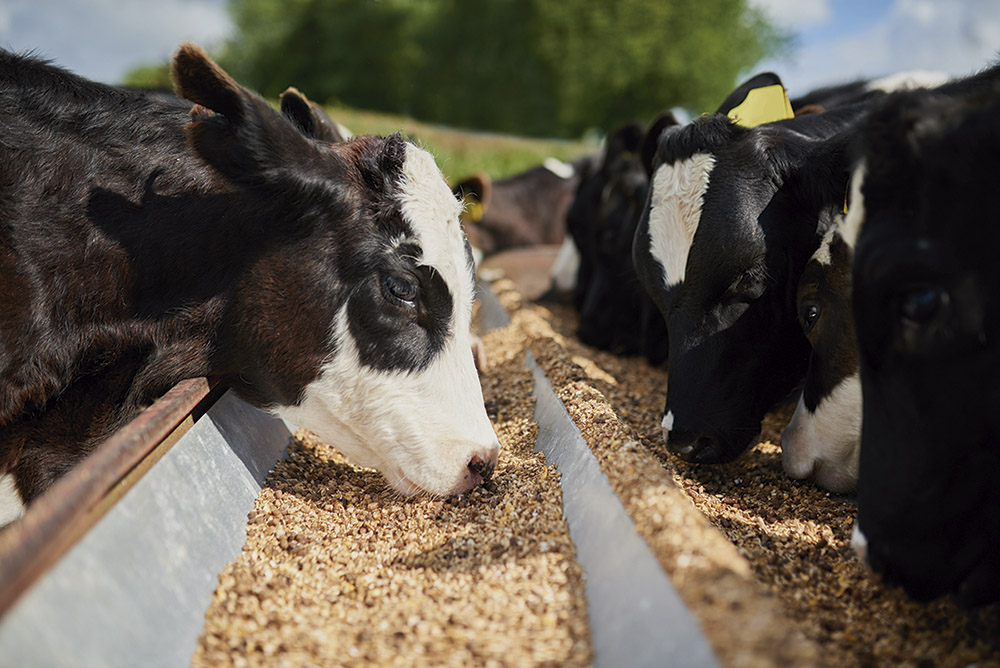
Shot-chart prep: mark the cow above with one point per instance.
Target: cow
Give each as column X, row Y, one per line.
column 925, row 291
column 616, row 314
column 144, row 240
column 822, row 440
column 738, row 203
column 526, row 209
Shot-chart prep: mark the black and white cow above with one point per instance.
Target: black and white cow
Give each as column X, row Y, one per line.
column 144, row 240
column 926, row 300
column 734, row 213
column 616, row 313
column 823, row 438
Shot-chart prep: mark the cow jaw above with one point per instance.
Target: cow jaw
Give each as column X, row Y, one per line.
column 824, row 444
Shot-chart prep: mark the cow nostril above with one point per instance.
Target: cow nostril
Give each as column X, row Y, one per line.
column 696, row 449
column 482, row 467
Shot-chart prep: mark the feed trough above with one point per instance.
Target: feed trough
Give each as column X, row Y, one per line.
column 601, row 551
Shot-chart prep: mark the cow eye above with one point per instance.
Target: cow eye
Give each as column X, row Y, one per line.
column 809, row 316
column 919, row 304
column 399, row 288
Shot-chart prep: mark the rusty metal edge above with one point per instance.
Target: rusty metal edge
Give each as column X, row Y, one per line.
column 58, row 518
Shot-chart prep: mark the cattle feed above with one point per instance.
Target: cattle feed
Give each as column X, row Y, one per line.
column 675, row 210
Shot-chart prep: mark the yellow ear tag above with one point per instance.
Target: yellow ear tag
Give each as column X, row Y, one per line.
column 473, row 210
column 762, row 105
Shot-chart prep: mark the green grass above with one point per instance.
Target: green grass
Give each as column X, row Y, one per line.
column 460, row 153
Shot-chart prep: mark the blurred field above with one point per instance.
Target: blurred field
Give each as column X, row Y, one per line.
column 462, row 152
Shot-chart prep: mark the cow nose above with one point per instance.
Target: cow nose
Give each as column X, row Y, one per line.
column 482, row 467
column 695, row 448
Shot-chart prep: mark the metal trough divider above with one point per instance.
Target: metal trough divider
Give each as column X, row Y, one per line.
column 88, row 581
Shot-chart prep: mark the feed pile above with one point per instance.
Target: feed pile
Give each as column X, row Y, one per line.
column 785, row 588
column 339, row 571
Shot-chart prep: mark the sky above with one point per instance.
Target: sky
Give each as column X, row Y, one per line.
column 834, row 40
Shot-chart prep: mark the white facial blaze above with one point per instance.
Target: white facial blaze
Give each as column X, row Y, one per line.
column 826, row 444
column 822, row 254
column 11, row 505
column 855, row 218
column 675, row 210
column 420, row 428
column 565, row 266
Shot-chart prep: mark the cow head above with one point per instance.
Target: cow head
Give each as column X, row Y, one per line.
column 615, row 312
column 732, row 217
column 925, row 297
column 352, row 317
column 823, row 438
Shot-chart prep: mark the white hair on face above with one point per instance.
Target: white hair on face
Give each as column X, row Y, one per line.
column 566, row 265
column 559, row 168
column 11, row 504
column 822, row 254
column 675, row 210
column 825, row 444
column 422, row 428
column 859, row 544
column 855, row 218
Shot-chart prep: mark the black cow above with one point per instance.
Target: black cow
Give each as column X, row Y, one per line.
column 311, row 118
column 733, row 215
column 926, row 299
column 822, row 441
column 144, row 240
column 616, row 314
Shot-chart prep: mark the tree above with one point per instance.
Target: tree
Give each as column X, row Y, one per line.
column 526, row 66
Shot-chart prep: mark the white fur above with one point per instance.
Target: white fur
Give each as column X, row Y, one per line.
column 859, row 544
column 11, row 504
column 822, row 254
column 675, row 210
column 908, row 81
column 565, row 266
column 855, row 218
column 420, row 429
column 825, row 445
column 559, row 168
column 667, row 424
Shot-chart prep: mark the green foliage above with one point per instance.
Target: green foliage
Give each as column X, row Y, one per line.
column 149, row 76
column 460, row 153
column 534, row 67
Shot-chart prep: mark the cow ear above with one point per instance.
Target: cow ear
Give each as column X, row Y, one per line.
column 295, row 107
column 232, row 129
column 474, row 191
column 622, row 145
column 760, row 100
column 311, row 118
column 652, row 139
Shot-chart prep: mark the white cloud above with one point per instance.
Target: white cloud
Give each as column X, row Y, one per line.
column 102, row 39
column 795, row 14
column 956, row 37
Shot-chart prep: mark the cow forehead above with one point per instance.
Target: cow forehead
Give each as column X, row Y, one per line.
column 432, row 212
column 678, row 196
